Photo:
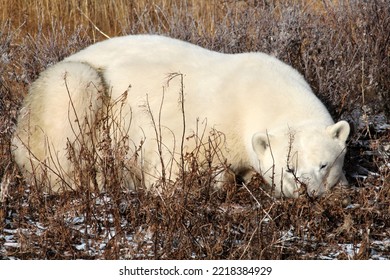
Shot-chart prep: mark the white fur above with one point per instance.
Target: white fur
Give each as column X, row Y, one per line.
column 255, row 100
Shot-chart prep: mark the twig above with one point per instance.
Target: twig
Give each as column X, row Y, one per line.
column 258, row 203
column 94, row 25
column 249, row 242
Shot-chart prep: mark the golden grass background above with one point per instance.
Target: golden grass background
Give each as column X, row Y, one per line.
column 113, row 17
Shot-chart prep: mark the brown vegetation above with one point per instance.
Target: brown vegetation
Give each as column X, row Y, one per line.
column 342, row 49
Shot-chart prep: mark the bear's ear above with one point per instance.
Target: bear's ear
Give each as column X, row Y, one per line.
column 260, row 142
column 339, row 131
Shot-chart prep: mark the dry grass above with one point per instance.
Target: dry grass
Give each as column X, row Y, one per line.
column 341, row 48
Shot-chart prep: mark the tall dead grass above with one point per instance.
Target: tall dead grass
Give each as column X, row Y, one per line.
column 117, row 17
column 111, row 17
column 341, row 47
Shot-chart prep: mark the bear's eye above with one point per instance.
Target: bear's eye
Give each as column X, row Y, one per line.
column 323, row 166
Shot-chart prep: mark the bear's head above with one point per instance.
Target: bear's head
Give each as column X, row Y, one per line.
column 309, row 156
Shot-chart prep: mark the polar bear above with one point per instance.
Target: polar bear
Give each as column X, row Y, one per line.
column 168, row 96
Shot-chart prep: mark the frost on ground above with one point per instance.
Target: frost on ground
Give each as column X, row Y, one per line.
column 140, row 243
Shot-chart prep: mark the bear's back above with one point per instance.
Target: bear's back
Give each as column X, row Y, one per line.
column 212, row 79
